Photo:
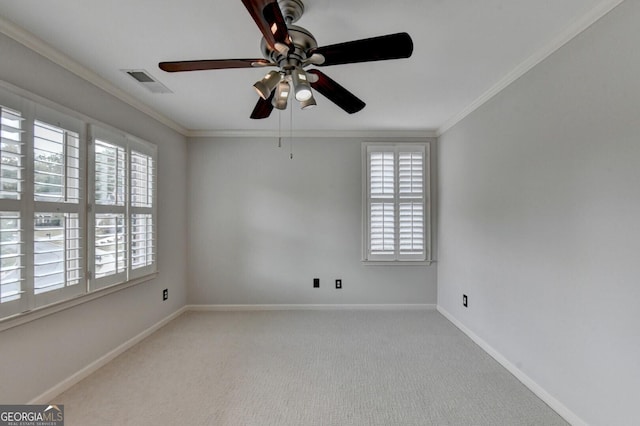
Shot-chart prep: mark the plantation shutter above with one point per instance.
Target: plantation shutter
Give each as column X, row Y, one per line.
column 12, row 165
column 77, row 213
column 381, row 204
column 124, row 219
column 143, row 249
column 396, row 202
column 58, row 218
column 12, row 254
column 110, row 223
column 411, row 204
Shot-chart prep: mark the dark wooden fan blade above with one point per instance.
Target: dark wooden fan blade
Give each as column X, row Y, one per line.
column 391, row 46
column 336, row 93
column 212, row 64
column 263, row 108
column 270, row 21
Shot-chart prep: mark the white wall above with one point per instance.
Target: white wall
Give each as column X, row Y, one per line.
column 262, row 226
column 38, row 355
column 539, row 222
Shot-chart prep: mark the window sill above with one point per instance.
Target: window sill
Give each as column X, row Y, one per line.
column 37, row 313
column 398, row 262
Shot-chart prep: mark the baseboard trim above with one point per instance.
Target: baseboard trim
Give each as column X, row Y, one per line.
column 314, row 307
column 545, row 396
column 56, row 390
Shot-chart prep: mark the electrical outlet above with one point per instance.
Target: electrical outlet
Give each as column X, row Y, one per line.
column 165, row 294
column 316, row 283
column 338, row 283
column 464, row 300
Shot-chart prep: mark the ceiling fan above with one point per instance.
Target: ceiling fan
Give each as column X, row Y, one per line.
column 291, row 49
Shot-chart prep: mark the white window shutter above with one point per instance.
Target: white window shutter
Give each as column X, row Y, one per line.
column 12, row 261
column 110, row 229
column 48, row 238
column 411, row 210
column 397, row 228
column 142, row 177
column 411, row 223
column 143, row 250
column 381, row 166
column 57, row 251
column 382, row 229
column 56, row 164
column 142, row 240
column 110, row 173
column 58, row 217
column 12, row 161
column 410, row 174
column 110, row 244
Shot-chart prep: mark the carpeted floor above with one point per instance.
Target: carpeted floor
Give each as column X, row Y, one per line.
column 305, row 368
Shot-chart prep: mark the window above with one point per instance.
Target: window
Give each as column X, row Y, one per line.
column 124, row 210
column 396, row 190
column 66, row 228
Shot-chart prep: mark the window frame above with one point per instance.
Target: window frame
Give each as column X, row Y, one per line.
column 396, row 258
column 30, row 306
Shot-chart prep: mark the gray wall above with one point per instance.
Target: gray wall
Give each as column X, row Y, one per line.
column 262, row 226
column 40, row 354
column 540, row 208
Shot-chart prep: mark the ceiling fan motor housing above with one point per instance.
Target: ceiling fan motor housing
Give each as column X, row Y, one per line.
column 302, row 41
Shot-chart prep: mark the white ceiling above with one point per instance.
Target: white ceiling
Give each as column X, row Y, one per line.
column 464, row 51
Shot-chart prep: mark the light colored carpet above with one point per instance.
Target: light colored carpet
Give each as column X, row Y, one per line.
column 305, row 368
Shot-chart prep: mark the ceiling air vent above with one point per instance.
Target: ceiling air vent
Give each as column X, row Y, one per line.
column 146, row 80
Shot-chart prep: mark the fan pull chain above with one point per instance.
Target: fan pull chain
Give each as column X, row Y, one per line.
column 279, row 129
column 291, row 133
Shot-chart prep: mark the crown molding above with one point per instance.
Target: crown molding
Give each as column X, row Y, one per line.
column 577, row 27
column 426, row 133
column 34, row 43
column 37, row 45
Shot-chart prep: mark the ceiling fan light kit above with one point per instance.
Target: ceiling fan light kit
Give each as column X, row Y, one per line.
column 292, row 48
column 282, row 95
column 309, row 103
column 269, row 82
column 301, row 84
